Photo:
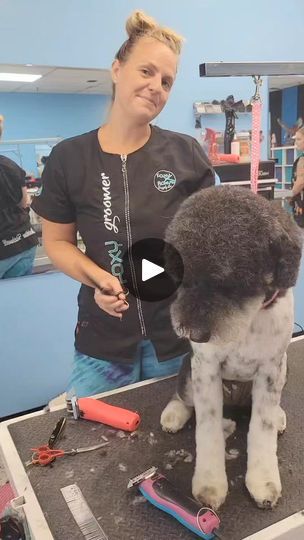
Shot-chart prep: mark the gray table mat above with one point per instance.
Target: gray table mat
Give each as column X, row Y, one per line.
column 125, row 515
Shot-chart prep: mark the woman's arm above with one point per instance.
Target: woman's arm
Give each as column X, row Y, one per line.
column 299, row 183
column 60, row 242
column 25, row 201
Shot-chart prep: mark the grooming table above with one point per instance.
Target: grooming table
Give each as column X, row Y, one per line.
column 122, row 513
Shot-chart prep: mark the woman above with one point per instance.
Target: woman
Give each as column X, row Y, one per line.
column 297, row 200
column 18, row 240
column 117, row 185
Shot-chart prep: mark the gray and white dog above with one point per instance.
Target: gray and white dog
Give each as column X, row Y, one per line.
column 241, row 256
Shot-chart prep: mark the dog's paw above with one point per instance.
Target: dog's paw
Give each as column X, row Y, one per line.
column 281, row 421
column 228, row 427
column 212, row 492
column 175, row 415
column 267, row 491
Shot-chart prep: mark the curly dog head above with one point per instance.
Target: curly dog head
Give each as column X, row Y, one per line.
column 237, row 249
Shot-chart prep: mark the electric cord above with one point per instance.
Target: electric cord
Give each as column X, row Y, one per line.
column 301, row 327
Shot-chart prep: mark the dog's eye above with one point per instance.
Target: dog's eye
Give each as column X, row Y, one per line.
column 200, row 336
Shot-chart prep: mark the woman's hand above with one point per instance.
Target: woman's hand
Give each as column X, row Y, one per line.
column 111, row 297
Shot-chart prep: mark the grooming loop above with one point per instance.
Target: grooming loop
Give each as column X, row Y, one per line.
column 206, row 509
column 255, row 134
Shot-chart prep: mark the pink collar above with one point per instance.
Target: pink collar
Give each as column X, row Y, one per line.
column 271, row 300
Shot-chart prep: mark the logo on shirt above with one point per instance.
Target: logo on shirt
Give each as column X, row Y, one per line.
column 164, row 180
column 108, row 219
column 17, row 238
column 116, row 259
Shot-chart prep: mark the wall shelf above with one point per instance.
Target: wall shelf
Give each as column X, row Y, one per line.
column 205, row 107
column 285, row 156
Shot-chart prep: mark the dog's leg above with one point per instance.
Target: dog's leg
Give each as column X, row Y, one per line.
column 263, row 477
column 180, row 407
column 209, row 483
column 281, row 421
column 228, row 427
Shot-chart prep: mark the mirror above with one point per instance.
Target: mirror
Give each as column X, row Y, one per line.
column 286, row 115
column 62, row 103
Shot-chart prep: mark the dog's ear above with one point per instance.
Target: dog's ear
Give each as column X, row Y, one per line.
column 173, row 263
column 286, row 249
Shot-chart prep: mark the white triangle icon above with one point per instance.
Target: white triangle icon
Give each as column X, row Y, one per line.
column 150, row 270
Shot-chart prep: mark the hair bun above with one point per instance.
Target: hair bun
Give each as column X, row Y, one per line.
column 139, row 23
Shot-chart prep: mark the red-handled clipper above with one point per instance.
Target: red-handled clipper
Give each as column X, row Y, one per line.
column 99, row 411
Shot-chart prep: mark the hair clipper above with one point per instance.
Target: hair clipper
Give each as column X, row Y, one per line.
column 157, row 489
column 99, row 411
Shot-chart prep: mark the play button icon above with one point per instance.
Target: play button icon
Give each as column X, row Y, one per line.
column 150, row 270
column 153, row 269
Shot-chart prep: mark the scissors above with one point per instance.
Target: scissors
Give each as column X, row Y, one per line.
column 43, row 455
column 109, row 292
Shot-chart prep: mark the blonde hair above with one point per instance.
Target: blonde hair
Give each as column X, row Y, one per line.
column 300, row 130
column 140, row 25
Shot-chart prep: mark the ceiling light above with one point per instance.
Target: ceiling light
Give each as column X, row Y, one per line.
column 19, row 77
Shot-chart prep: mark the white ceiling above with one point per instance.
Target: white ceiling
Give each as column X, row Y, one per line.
column 278, row 83
column 59, row 80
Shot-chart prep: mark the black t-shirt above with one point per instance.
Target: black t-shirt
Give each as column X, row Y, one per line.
column 297, row 201
column 83, row 184
column 16, row 233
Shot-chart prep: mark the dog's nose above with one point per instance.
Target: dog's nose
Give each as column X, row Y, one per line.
column 200, row 336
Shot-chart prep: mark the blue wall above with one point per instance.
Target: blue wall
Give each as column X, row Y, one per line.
column 289, row 107
column 35, row 116
column 50, row 115
column 38, row 315
column 86, row 34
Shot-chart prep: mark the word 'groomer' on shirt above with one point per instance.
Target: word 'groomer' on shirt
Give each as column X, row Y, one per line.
column 109, row 221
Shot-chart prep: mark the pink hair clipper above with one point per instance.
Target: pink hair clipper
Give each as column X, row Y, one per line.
column 157, row 489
